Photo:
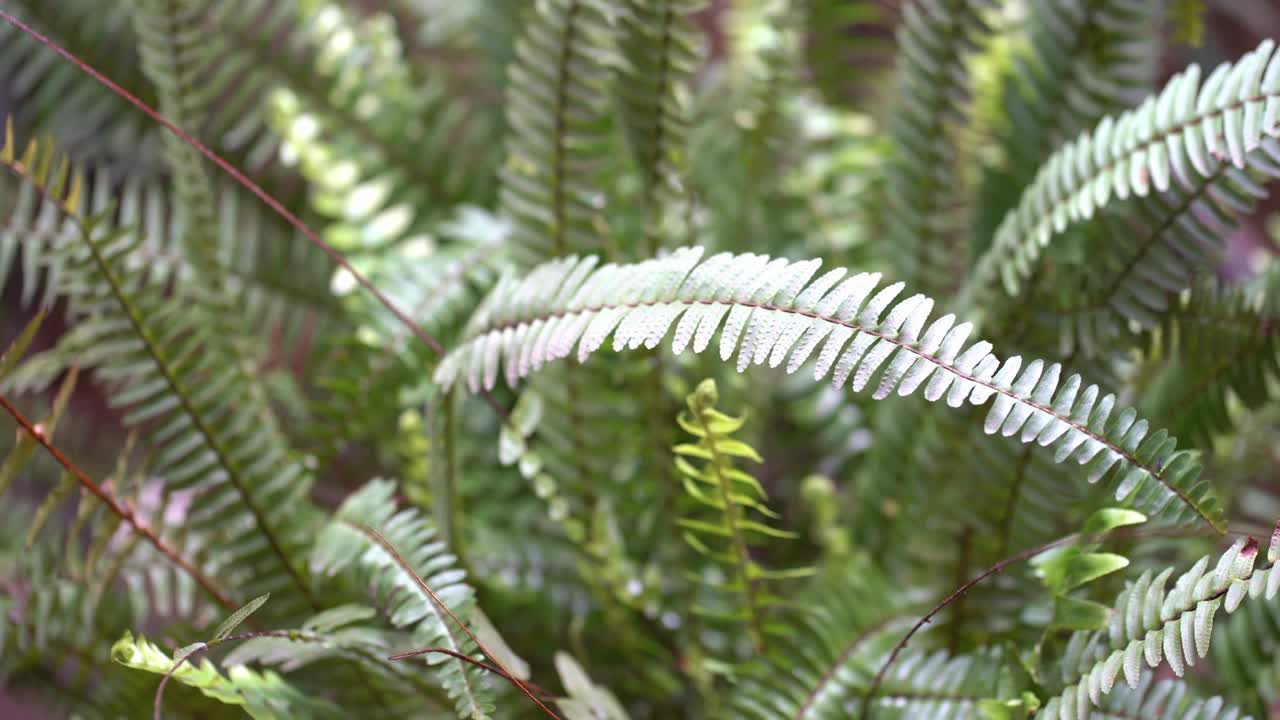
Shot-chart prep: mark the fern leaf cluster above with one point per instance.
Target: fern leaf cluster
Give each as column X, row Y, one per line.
column 989, row 288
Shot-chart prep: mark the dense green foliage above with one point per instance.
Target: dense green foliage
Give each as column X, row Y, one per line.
column 1009, row 456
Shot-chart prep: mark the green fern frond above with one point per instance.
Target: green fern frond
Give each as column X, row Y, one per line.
column 654, row 90
column 1152, row 624
column 934, row 41
column 1082, row 62
column 557, row 128
column 1186, row 133
column 1167, row 699
column 176, row 377
column 55, row 98
column 1245, row 654
column 726, row 535
column 774, row 311
column 1196, row 388
column 827, row 660
column 347, row 544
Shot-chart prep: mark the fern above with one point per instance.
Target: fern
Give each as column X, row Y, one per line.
column 524, row 324
column 349, row 540
column 1186, row 132
column 1152, row 624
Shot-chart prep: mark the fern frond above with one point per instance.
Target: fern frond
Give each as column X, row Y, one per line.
column 211, row 431
column 828, row 659
column 773, row 311
column 1185, row 133
column 347, row 543
column 934, row 40
column 557, row 128
column 660, row 46
column 1196, row 387
column 1164, row 700
column 1152, row 624
column 736, row 497
column 52, row 97
column 1083, row 61
column 265, row 696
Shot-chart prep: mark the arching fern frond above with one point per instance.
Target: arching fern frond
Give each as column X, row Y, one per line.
column 1152, row 624
column 775, row 313
column 1185, row 133
column 348, row 543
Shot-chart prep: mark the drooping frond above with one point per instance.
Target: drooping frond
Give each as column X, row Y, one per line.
column 1186, row 133
column 934, row 41
column 175, row 377
column 557, row 128
column 349, row 542
column 1152, row 624
column 264, row 696
column 775, row 313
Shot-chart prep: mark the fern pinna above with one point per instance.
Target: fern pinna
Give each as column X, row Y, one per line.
column 759, row 359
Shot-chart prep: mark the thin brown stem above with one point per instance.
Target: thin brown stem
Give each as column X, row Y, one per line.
column 119, row 510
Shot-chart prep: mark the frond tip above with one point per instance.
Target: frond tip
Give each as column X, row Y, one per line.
column 771, row 311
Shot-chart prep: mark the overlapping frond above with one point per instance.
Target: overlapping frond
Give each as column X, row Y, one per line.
column 345, row 129
column 52, row 97
column 1083, row 61
column 1153, row 624
column 827, row 660
column 1184, row 134
column 1164, row 700
column 772, row 312
column 349, row 543
column 557, row 128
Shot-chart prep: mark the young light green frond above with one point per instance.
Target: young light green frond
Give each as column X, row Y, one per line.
column 1151, row 624
column 771, row 311
column 740, row 515
column 832, row 650
column 263, row 696
column 347, row 544
column 1246, row 654
column 934, row 40
column 584, row 700
column 557, row 128
column 1183, row 135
